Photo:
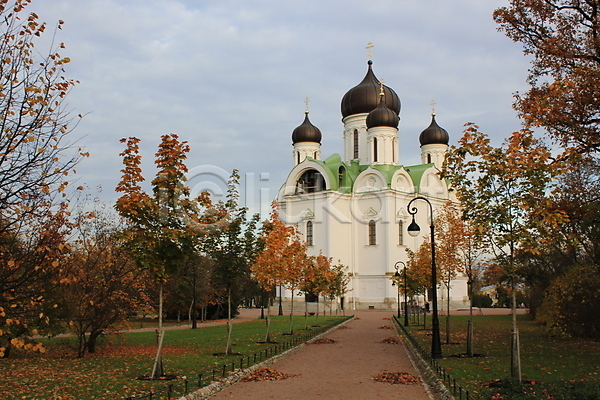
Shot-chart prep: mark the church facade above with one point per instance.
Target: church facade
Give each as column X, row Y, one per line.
column 353, row 207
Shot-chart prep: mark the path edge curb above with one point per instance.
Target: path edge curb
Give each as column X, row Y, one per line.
column 434, row 386
column 236, row 376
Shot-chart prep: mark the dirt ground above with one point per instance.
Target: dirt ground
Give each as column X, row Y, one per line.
column 341, row 370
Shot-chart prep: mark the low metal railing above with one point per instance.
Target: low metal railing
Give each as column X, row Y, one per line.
column 176, row 390
column 447, row 380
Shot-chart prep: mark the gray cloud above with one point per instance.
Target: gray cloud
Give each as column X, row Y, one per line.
column 230, row 76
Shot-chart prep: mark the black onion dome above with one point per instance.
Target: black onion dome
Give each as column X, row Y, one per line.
column 306, row 132
column 434, row 134
column 382, row 116
column 364, row 97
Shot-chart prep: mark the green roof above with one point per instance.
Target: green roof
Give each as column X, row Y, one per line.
column 350, row 172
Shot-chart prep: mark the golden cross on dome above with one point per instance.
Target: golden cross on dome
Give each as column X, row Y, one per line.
column 433, row 103
column 306, row 101
column 369, row 47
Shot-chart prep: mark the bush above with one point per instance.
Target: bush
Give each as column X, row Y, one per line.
column 582, row 390
column 572, row 302
column 482, row 301
column 514, row 390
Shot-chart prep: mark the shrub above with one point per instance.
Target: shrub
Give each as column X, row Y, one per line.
column 572, row 302
column 482, row 301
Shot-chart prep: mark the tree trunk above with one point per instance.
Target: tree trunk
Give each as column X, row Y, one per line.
column 268, row 322
column 229, row 325
column 515, row 353
column 448, row 314
column 81, row 345
column 292, row 314
column 92, row 340
column 305, row 314
column 194, row 310
column 470, row 322
column 157, row 369
column 470, row 338
column 318, row 311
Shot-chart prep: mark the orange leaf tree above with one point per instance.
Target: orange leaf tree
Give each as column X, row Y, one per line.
column 35, row 157
column 338, row 286
column 318, row 277
column 460, row 247
column 297, row 262
column 32, row 274
column 104, row 285
column 419, row 269
column 270, row 262
column 35, row 160
column 562, row 38
column 161, row 228
column 503, row 192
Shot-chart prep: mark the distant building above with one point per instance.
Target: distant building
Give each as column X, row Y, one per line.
column 352, row 207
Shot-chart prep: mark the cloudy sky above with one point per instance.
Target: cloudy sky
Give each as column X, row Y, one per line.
column 231, row 76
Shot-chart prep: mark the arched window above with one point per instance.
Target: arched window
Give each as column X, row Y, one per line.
column 355, row 143
column 374, row 149
column 400, row 233
column 428, row 158
column 340, row 177
column 309, row 233
column 315, row 155
column 298, row 154
column 311, row 181
column 372, row 233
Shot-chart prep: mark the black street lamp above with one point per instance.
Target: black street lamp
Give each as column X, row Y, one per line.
column 413, row 230
column 396, row 282
column 280, row 300
column 397, row 275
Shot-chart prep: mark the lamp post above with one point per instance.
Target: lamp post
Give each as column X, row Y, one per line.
column 414, row 230
column 280, row 300
column 397, row 275
column 396, row 282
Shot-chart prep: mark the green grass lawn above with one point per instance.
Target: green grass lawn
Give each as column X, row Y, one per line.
column 551, row 364
column 120, row 359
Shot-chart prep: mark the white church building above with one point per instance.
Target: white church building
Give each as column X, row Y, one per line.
column 353, row 207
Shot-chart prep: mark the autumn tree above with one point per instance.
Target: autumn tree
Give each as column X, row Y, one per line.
column 162, row 227
column 32, row 274
column 459, row 248
column 502, row 192
column 317, row 279
column 233, row 247
column 338, row 285
column 104, row 286
column 419, row 269
column 448, row 259
column 562, row 36
column 270, row 263
column 35, row 161
column 297, row 263
column 191, row 290
column 35, row 156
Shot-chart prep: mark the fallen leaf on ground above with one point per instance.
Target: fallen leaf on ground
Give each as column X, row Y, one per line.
column 267, row 374
column 390, row 340
column 323, row 341
column 385, row 327
column 398, row 378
